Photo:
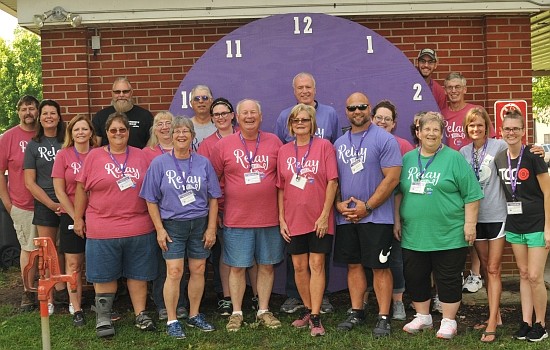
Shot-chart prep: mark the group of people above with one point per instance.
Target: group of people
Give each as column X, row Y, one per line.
column 140, row 206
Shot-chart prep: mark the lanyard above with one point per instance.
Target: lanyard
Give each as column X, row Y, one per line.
column 161, row 149
column 301, row 164
column 219, row 136
column 123, row 166
column 514, row 177
column 250, row 159
column 478, row 160
column 429, row 161
column 183, row 175
column 357, row 149
column 77, row 156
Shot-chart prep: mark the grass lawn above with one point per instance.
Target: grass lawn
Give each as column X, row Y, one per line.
column 22, row 331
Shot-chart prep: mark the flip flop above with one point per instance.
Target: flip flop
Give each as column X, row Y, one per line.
column 488, row 334
column 483, row 325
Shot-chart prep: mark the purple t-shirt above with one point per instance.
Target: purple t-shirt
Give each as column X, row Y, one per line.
column 378, row 150
column 327, row 124
column 164, row 184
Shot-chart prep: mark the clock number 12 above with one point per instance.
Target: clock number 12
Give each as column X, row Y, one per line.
column 307, row 28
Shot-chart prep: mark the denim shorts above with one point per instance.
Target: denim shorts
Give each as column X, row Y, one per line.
column 243, row 246
column 186, row 238
column 132, row 257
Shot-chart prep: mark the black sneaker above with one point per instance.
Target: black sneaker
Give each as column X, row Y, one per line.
column 537, row 333
column 78, row 319
column 354, row 318
column 523, row 330
column 383, row 327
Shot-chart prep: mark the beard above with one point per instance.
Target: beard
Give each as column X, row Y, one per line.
column 123, row 106
column 359, row 122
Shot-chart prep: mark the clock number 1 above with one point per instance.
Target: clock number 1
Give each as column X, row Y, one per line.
column 369, row 44
column 230, row 44
column 307, row 29
column 417, row 94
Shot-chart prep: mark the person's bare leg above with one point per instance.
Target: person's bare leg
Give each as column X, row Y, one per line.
column 237, row 286
column 195, row 287
column 357, row 285
column 171, row 291
column 266, row 276
column 317, row 281
column 302, row 277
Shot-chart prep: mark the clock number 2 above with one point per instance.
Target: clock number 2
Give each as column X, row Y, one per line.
column 307, row 28
column 230, row 44
column 417, row 92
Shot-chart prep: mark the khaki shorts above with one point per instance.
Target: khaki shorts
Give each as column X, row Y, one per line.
column 26, row 231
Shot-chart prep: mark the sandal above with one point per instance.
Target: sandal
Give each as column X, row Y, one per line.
column 486, row 334
column 483, row 325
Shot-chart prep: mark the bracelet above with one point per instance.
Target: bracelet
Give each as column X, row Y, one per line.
column 368, row 207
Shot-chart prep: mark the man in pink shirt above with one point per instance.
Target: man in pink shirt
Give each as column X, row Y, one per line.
column 247, row 160
column 17, row 200
column 426, row 64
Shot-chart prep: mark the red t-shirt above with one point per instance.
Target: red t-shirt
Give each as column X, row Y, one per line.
column 404, row 145
column 112, row 213
column 152, row 153
column 439, row 94
column 12, row 145
column 253, row 205
column 303, row 207
column 454, row 131
column 67, row 166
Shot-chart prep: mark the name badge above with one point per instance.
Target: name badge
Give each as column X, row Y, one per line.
column 356, row 165
column 299, row 181
column 417, row 187
column 252, row 178
column 125, row 183
column 514, row 208
column 186, row 198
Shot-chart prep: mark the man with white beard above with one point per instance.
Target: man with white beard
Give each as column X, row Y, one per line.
column 141, row 120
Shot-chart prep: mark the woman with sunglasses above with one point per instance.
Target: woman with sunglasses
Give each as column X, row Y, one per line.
column 307, row 179
column 79, row 139
column 524, row 177
column 121, row 239
column 38, row 163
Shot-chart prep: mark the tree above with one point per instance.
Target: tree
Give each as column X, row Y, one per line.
column 20, row 74
column 541, row 99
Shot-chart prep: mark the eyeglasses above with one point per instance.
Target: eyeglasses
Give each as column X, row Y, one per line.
column 114, row 131
column 203, row 97
column 220, row 115
column 423, row 61
column 164, row 124
column 514, row 130
column 182, row 131
column 118, row 92
column 300, row 121
column 455, row 87
column 360, row 107
column 383, row 119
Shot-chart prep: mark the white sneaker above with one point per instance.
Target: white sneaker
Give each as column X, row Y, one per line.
column 71, row 309
column 419, row 323
column 436, row 306
column 472, row 284
column 447, row 330
column 51, row 309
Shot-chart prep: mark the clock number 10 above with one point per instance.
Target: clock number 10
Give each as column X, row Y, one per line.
column 307, row 28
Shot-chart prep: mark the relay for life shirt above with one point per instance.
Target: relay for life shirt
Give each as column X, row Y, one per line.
column 67, row 165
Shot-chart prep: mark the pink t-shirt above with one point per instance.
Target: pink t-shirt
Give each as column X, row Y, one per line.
column 66, row 166
column 303, row 207
column 152, row 153
column 112, row 213
column 207, row 144
column 253, row 205
column 12, row 145
column 439, row 94
column 404, row 145
column 454, row 131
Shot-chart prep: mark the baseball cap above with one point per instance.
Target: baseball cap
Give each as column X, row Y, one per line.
column 428, row 52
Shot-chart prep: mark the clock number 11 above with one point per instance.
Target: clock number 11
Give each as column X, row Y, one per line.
column 230, row 44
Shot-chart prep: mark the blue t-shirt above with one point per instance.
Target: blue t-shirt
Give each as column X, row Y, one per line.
column 327, row 124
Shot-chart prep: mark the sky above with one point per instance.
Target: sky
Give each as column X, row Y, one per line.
column 8, row 25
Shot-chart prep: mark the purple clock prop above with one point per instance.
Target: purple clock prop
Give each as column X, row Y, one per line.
column 260, row 59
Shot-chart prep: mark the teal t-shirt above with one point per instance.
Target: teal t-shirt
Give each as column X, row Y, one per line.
column 435, row 220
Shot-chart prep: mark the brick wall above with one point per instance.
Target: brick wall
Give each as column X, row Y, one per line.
column 492, row 52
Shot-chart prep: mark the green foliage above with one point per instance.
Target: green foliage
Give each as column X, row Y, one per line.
column 20, row 74
column 541, row 99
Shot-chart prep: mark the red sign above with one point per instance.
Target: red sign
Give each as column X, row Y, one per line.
column 501, row 107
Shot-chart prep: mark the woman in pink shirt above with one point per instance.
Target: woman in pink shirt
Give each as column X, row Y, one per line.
column 307, row 179
column 159, row 141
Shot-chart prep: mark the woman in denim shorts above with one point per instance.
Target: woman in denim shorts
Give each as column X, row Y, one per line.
column 181, row 190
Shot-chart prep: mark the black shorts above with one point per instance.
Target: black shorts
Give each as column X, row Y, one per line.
column 488, row 231
column 309, row 243
column 44, row 216
column 366, row 244
column 69, row 242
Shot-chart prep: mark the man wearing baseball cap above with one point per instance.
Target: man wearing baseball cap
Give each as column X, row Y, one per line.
column 426, row 63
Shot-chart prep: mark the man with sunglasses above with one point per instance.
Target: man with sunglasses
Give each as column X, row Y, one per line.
column 369, row 166
column 201, row 100
column 141, row 120
column 327, row 128
column 426, row 63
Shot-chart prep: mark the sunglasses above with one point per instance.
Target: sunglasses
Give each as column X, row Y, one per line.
column 360, row 107
column 300, row 121
column 118, row 92
column 203, row 97
column 114, row 131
